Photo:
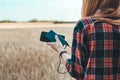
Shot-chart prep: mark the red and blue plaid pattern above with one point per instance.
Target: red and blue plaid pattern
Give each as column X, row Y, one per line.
column 95, row 51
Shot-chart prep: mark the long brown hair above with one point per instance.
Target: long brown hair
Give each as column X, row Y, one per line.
column 102, row 10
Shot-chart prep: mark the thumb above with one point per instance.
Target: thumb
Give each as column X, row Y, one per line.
column 56, row 38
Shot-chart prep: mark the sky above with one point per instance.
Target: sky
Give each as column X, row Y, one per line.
column 25, row 10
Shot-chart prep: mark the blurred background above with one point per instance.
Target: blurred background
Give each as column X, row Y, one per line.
column 22, row 55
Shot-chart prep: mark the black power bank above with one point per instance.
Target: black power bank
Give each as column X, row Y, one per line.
column 43, row 38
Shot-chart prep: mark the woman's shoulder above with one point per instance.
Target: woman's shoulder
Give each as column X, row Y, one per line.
column 83, row 22
column 86, row 21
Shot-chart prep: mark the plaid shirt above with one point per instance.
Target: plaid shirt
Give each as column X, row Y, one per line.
column 95, row 51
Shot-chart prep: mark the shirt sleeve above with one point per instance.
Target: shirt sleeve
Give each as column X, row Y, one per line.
column 77, row 64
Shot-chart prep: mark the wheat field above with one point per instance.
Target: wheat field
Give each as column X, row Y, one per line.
column 24, row 57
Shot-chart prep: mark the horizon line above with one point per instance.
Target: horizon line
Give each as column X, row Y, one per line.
column 36, row 20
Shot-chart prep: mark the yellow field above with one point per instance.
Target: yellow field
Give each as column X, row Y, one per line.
column 24, row 57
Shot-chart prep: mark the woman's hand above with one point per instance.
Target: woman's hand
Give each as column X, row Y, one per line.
column 57, row 46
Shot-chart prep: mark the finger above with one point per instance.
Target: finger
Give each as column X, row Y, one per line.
column 54, row 48
column 50, row 43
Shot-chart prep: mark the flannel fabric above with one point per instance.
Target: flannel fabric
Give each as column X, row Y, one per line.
column 95, row 51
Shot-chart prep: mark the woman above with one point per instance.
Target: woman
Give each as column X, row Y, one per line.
column 96, row 42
